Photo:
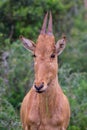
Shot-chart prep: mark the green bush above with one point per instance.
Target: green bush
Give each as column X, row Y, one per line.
column 75, row 87
column 20, row 74
column 8, row 116
column 9, row 119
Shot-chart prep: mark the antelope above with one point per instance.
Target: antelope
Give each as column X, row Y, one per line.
column 45, row 107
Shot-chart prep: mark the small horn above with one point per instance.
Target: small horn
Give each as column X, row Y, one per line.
column 43, row 30
column 50, row 31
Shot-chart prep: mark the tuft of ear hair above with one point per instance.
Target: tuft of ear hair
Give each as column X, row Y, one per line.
column 28, row 44
column 60, row 45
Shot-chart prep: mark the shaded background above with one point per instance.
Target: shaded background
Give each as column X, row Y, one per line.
column 16, row 64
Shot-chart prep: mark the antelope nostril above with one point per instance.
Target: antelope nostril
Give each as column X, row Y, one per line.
column 38, row 88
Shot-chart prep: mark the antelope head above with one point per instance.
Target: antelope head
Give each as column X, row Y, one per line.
column 45, row 53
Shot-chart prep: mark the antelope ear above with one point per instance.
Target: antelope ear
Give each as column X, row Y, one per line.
column 28, row 44
column 60, row 45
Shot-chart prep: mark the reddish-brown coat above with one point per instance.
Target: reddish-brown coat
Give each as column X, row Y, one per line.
column 50, row 109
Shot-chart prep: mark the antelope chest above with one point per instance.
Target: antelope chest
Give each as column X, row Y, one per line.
column 43, row 116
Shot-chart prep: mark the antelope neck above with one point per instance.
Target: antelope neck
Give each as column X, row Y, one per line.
column 53, row 89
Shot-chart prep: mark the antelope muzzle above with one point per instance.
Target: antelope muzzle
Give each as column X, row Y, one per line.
column 39, row 87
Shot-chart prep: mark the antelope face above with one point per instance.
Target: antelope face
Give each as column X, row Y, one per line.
column 45, row 62
column 45, row 53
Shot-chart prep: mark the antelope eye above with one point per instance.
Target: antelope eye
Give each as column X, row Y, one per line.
column 34, row 55
column 52, row 56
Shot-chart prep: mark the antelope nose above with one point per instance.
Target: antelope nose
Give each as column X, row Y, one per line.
column 38, row 88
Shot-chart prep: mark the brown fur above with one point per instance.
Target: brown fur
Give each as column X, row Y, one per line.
column 50, row 109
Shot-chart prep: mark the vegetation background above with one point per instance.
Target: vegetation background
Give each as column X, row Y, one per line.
column 16, row 64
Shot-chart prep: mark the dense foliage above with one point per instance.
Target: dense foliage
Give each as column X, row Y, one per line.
column 16, row 64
